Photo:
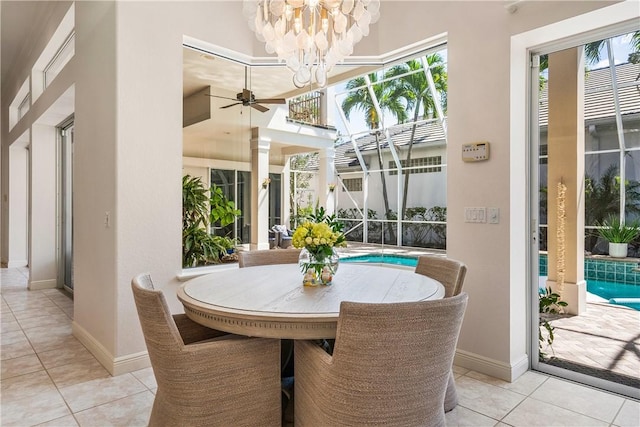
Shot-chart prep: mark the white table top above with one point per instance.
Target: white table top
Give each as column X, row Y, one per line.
column 270, row 301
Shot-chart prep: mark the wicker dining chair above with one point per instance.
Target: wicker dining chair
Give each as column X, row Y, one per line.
column 389, row 367
column 268, row 257
column 451, row 274
column 206, row 377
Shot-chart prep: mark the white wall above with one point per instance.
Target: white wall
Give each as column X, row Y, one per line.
column 128, row 76
column 43, row 269
column 196, row 171
column 94, row 175
column 425, row 189
column 16, row 254
column 19, row 70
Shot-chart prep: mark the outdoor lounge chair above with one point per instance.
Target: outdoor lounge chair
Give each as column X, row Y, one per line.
column 283, row 236
column 206, row 377
column 390, row 366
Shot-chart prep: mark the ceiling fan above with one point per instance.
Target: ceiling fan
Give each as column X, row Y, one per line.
column 247, row 98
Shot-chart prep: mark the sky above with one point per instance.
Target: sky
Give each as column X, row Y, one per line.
column 621, row 49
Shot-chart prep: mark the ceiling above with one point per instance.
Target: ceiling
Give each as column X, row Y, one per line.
column 226, row 134
column 28, row 18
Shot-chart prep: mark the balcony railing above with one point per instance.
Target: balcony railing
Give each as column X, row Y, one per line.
column 307, row 108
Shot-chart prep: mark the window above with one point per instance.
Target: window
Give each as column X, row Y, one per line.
column 419, row 165
column 352, row 184
column 24, row 106
column 20, row 104
column 236, row 187
column 59, row 60
column 54, row 57
column 379, row 121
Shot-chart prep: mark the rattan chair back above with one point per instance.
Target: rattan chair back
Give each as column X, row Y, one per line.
column 449, row 272
column 268, row 257
column 390, row 366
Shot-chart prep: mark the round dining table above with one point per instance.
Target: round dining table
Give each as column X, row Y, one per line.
column 270, row 301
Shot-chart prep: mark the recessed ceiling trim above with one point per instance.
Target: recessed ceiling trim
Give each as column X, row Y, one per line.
column 380, row 60
column 413, row 49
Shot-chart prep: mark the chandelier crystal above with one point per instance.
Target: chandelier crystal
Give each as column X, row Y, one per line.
column 311, row 36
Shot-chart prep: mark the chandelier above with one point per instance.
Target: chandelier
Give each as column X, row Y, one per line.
column 311, row 36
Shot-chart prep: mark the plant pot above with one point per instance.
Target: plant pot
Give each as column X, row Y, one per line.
column 618, row 250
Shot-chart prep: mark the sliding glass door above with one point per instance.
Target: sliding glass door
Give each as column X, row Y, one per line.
column 66, row 194
column 236, row 186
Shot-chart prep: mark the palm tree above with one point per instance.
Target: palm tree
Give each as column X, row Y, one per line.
column 414, row 89
column 359, row 98
column 592, row 50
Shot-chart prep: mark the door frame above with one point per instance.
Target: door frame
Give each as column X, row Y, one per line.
column 63, row 213
column 596, row 25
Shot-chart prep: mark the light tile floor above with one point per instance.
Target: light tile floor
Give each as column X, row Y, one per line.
column 49, row 379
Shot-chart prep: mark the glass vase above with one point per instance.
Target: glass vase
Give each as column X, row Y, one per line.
column 317, row 267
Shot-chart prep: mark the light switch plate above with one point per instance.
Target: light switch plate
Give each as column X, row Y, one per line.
column 493, row 215
column 475, row 215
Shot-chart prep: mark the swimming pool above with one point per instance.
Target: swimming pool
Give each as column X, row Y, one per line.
column 384, row 259
column 616, row 293
column 624, row 294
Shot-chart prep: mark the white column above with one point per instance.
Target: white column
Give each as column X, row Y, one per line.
column 327, row 176
column 43, row 238
column 286, row 192
column 18, row 206
column 260, row 147
column 566, row 164
column 324, row 113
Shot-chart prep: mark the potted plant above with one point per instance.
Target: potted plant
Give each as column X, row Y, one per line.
column 550, row 305
column 619, row 235
column 200, row 208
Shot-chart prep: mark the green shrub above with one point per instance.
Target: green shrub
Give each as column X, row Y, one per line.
column 614, row 231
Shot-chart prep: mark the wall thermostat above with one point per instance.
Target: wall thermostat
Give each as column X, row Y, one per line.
column 475, row 152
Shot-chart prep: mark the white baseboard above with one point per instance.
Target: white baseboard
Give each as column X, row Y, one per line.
column 491, row 367
column 115, row 365
column 131, row 362
column 16, row 264
column 43, row 284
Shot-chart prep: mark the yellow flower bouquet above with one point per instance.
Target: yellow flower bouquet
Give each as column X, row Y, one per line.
column 318, row 259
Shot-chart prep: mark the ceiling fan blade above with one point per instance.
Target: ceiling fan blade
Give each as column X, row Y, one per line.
column 260, row 108
column 272, row 101
column 246, row 94
column 221, row 97
column 231, row 105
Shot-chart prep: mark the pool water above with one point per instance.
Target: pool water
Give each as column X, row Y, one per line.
column 386, row 259
column 617, row 293
column 624, row 294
